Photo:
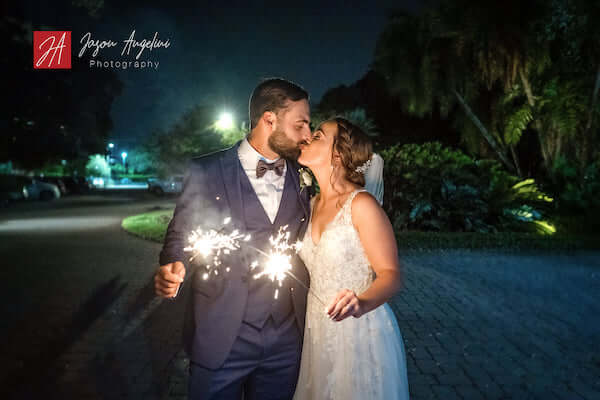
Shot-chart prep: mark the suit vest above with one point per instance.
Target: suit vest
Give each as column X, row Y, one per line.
column 261, row 302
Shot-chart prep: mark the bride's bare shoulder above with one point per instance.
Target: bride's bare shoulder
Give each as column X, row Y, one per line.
column 364, row 200
column 365, row 209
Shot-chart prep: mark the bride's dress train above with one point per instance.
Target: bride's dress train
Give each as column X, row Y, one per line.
column 357, row 358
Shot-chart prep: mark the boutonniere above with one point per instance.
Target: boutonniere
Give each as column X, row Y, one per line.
column 306, row 178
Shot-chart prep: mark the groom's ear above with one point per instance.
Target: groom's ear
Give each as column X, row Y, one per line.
column 269, row 118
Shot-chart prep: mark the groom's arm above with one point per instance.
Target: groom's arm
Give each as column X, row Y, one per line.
column 184, row 216
column 172, row 259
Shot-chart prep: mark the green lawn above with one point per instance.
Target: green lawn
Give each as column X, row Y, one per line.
column 153, row 226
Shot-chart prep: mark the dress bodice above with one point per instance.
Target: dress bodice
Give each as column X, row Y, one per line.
column 338, row 261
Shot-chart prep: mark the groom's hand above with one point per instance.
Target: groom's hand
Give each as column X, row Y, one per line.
column 168, row 278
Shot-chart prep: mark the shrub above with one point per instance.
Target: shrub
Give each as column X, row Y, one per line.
column 97, row 166
column 432, row 188
column 576, row 190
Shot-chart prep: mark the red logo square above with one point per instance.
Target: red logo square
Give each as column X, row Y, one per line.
column 52, row 49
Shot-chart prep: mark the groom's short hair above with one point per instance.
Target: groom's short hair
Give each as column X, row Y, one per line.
column 272, row 94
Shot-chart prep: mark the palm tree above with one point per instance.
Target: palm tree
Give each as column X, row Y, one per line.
column 537, row 60
column 421, row 57
column 525, row 47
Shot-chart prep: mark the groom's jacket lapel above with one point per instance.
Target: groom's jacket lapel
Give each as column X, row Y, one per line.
column 230, row 174
column 302, row 195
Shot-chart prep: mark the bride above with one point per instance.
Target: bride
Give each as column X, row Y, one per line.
column 353, row 349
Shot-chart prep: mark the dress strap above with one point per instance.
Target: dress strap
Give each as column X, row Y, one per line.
column 354, row 193
column 346, row 212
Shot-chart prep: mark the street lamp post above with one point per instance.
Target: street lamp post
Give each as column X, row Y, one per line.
column 124, row 157
column 109, row 152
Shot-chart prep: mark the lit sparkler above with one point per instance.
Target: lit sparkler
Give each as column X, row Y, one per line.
column 214, row 243
column 278, row 263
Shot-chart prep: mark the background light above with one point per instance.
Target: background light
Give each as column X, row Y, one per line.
column 225, row 121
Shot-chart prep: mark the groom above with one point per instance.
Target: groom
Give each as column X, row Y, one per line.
column 240, row 339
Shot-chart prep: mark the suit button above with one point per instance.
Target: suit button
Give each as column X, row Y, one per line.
column 244, row 279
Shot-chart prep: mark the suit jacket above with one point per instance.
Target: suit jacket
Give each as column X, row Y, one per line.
column 211, row 192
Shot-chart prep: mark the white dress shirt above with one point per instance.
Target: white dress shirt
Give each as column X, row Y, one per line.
column 269, row 188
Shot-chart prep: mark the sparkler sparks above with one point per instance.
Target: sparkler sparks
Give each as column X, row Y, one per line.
column 214, row 243
column 278, row 263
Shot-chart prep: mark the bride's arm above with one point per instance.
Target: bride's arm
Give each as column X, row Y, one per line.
column 377, row 237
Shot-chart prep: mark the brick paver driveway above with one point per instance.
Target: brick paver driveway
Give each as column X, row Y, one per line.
column 496, row 324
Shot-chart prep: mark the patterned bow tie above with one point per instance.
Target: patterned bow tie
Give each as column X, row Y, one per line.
column 262, row 167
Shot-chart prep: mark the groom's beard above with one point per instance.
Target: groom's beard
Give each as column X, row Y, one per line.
column 284, row 146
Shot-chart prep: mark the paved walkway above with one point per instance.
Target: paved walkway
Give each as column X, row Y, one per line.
column 492, row 325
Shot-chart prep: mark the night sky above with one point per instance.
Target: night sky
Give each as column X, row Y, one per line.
column 218, row 54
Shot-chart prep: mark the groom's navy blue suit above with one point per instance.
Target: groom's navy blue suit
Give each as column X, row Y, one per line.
column 235, row 333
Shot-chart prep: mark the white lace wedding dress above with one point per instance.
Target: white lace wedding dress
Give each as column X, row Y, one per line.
column 357, row 358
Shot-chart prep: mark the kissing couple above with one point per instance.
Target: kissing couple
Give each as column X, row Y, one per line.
column 242, row 341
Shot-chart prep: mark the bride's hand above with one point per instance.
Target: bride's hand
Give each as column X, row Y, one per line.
column 345, row 304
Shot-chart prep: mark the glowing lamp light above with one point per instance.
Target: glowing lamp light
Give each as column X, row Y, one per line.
column 225, row 121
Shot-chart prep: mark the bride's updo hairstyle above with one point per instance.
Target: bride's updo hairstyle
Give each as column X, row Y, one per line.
column 354, row 147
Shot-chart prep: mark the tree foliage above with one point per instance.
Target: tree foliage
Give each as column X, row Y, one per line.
column 97, row 166
column 513, row 67
column 52, row 114
column 192, row 135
